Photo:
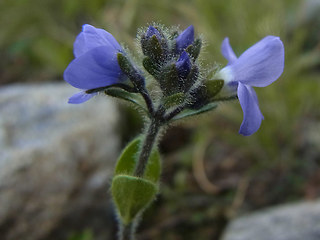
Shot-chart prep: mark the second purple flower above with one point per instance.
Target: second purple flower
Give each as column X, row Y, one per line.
column 258, row 66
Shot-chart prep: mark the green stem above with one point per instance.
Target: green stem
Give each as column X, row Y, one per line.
column 126, row 231
column 144, row 93
column 147, row 147
column 174, row 112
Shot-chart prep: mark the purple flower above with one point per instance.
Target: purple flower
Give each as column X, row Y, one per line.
column 185, row 39
column 258, row 66
column 183, row 65
column 95, row 64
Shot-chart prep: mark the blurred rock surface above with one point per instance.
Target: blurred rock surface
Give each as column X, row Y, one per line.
column 56, row 161
column 289, row 222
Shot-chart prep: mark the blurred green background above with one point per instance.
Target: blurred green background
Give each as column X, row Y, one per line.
column 211, row 173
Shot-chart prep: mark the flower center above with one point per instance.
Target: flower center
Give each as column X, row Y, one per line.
column 230, row 85
column 226, row 75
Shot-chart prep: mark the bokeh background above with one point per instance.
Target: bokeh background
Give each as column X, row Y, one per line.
column 211, row 174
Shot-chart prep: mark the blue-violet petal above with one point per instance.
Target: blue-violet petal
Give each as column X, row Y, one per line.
column 185, row 39
column 261, row 64
column 96, row 68
column 252, row 115
column 80, row 97
column 152, row 31
column 92, row 37
column 184, row 65
column 227, row 51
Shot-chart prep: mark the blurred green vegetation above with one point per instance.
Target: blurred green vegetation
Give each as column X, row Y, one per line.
column 280, row 163
column 85, row 235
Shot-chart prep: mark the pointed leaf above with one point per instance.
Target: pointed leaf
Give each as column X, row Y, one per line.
column 194, row 49
column 150, row 66
column 192, row 78
column 132, row 195
column 124, row 95
column 128, row 159
column 169, row 82
column 125, row 64
column 190, row 112
column 155, row 49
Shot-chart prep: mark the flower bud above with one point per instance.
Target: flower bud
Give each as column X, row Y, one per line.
column 185, row 39
column 169, row 81
column 152, row 31
column 132, row 194
column 183, row 65
column 199, row 97
column 205, row 93
column 154, row 45
column 176, row 76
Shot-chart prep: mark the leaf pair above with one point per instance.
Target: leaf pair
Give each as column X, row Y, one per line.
column 132, row 194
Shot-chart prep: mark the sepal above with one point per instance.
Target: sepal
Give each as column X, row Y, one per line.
column 199, row 97
column 152, row 68
column 214, row 87
column 126, row 66
column 204, row 94
column 174, row 100
column 169, row 81
column 192, row 78
column 194, row 49
column 152, row 48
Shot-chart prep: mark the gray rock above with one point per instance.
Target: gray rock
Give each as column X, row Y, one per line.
column 299, row 221
column 56, row 161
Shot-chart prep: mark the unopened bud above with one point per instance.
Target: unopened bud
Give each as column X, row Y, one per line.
column 185, row 39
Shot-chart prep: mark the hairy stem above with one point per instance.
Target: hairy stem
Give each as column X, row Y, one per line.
column 174, row 112
column 127, row 232
column 144, row 93
column 147, row 147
